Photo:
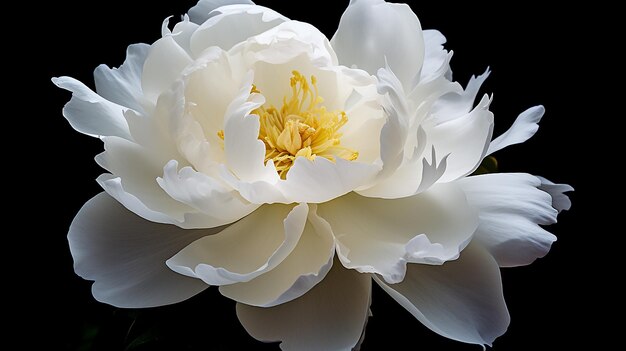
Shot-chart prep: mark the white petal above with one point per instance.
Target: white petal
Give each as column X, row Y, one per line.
column 163, row 66
column 381, row 236
column 306, row 266
column 248, row 248
column 461, row 299
column 123, row 85
column 329, row 317
column 464, row 139
column 182, row 33
column 202, row 10
column 372, row 31
column 560, row 201
column 524, row 127
column 435, row 56
column 205, row 194
column 232, row 25
column 459, row 103
column 91, row 114
column 126, row 254
column 511, row 208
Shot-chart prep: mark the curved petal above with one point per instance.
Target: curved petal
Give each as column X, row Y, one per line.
column 560, row 201
column 381, row 236
column 254, row 245
column 123, row 85
column 91, row 114
column 373, row 31
column 202, row 10
column 125, row 256
column 463, row 140
column 461, row 300
column 435, row 56
column 234, row 24
column 204, row 193
column 458, row 103
column 305, row 267
column 524, row 127
column 164, row 64
column 329, row 317
column 511, row 208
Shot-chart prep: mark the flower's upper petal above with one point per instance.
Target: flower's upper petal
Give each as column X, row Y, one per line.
column 464, row 140
column 204, row 193
column 232, row 25
column 181, row 33
column 457, row 104
column 203, row 10
column 524, row 127
column 164, row 65
column 435, row 56
column 123, row 85
column 91, row 114
column 381, row 236
column 461, row 299
column 126, row 254
column 372, row 31
column 248, row 248
column 306, row 266
column 331, row 316
column 511, row 208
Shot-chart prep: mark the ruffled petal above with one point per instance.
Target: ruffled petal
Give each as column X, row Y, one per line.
column 306, row 266
column 163, row 66
column 125, row 255
column 560, row 201
column 234, row 24
column 123, row 85
column 248, row 248
column 524, row 127
column 91, row 114
column 512, row 208
column 461, row 300
column 373, row 31
column 331, row 316
column 382, row 236
column 203, row 10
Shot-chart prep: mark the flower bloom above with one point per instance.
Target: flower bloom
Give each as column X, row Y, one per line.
column 245, row 150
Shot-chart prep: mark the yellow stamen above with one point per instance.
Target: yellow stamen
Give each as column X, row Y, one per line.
column 301, row 127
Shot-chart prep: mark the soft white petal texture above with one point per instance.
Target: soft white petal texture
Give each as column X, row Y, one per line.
column 123, row 85
column 463, row 140
column 91, row 114
column 560, row 201
column 382, row 236
column 435, row 56
column 202, row 10
column 458, row 103
column 512, row 207
column 248, row 248
column 372, row 31
column 126, row 254
column 524, row 127
column 164, row 64
column 331, row 316
column 182, row 32
column 232, row 25
column 306, row 266
column 461, row 300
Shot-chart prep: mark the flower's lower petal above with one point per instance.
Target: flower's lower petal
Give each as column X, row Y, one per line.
column 463, row 140
column 560, row 201
column 201, row 12
column 461, row 300
column 512, row 208
column 164, row 64
column 234, row 24
column 91, row 114
column 125, row 255
column 306, row 266
column 373, row 32
column 248, row 248
column 331, row 316
column 381, row 236
column 123, row 85
column 524, row 127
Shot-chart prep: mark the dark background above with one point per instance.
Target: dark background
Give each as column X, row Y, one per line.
column 537, row 55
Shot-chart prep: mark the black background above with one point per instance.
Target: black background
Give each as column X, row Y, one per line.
column 538, row 56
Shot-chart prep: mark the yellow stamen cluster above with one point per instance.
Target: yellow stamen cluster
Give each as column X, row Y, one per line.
column 301, row 127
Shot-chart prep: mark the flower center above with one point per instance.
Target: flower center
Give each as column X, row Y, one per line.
column 302, row 127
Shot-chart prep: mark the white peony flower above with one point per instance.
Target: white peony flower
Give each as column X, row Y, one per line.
column 247, row 151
